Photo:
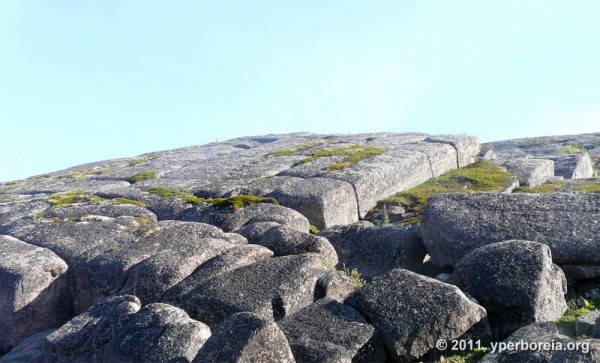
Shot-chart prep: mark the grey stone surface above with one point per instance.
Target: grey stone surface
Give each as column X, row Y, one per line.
column 515, row 281
column 230, row 220
column 33, row 291
column 107, row 210
column 285, row 241
column 151, row 278
column 373, row 251
column 335, row 285
column 17, row 207
column 272, row 288
column 29, row 350
column 584, row 325
column 466, row 146
column 573, row 166
column 231, row 259
column 329, row 331
column 246, row 337
column 157, row 333
column 546, row 334
column 413, row 312
column 531, row 172
column 442, row 157
column 454, row 224
column 85, row 336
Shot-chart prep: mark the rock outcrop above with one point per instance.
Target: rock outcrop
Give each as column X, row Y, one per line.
column 213, row 252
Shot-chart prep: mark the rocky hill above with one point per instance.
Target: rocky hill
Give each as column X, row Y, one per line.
column 308, row 248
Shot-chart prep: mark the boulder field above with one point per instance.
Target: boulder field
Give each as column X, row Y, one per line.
column 265, row 249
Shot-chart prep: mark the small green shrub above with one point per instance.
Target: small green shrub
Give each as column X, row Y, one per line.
column 568, row 149
column 354, row 276
column 140, row 177
column 239, row 201
column 59, row 200
column 313, row 230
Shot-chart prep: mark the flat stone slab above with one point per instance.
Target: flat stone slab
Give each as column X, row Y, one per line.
column 531, row 172
column 33, row 291
column 454, row 224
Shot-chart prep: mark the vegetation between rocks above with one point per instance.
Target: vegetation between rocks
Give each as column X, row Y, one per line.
column 588, row 187
column 353, row 154
column 143, row 176
column 295, row 149
column 59, row 200
column 482, row 176
column 473, row 356
column 568, row 149
column 236, row 202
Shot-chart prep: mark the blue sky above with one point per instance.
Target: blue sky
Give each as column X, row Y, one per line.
column 82, row 81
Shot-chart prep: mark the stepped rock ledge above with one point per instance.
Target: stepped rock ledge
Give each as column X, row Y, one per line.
column 306, row 248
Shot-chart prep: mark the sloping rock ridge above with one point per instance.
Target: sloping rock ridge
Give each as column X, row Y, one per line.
column 257, row 249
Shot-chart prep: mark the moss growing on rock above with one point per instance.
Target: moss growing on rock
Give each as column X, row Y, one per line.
column 239, row 201
column 143, row 176
column 295, row 149
column 568, row 149
column 59, row 200
column 353, row 154
column 236, row 202
column 482, row 176
column 588, row 187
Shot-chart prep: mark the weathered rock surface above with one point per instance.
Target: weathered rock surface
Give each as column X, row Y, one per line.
column 584, row 325
column 573, row 166
column 329, row 331
column 285, row 241
column 157, row 333
column 454, row 224
column 272, row 288
column 413, row 312
column 466, row 146
column 230, row 220
column 246, row 337
column 554, row 347
column 31, row 349
column 531, row 172
column 515, row 281
column 33, row 289
column 376, row 250
column 231, row 259
column 84, row 337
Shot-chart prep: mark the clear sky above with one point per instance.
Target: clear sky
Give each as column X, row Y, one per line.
column 82, row 81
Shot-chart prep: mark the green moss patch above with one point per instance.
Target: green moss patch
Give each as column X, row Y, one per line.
column 237, row 202
column 567, row 149
column 353, row 154
column 567, row 321
column 59, row 200
column 482, row 176
column 140, row 177
column 533, row 143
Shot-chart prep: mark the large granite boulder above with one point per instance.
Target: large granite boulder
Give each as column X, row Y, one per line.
column 285, row 241
column 246, row 337
column 373, row 251
column 272, row 288
column 157, row 333
column 573, row 166
column 413, row 312
column 329, row 331
column 230, row 220
column 31, row 349
column 531, row 172
column 84, row 337
column 33, row 291
column 454, row 224
column 231, row 259
column 151, row 278
column 516, row 282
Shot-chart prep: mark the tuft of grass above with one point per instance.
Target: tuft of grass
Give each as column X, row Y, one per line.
column 9, row 186
column 138, row 161
column 236, row 202
column 239, row 201
column 574, row 310
column 295, row 149
column 482, row 176
column 353, row 154
column 473, row 356
column 354, row 276
column 313, row 229
column 569, row 149
column 140, row 177
column 589, row 187
column 59, row 200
